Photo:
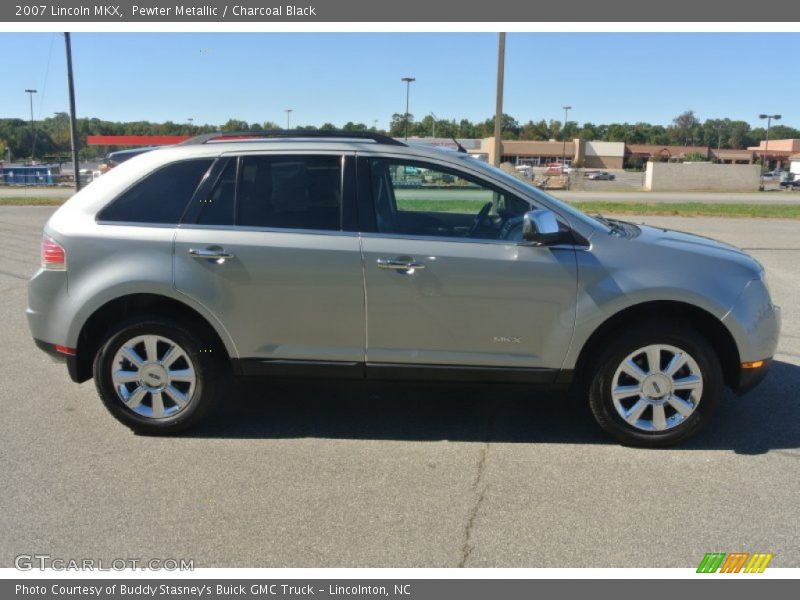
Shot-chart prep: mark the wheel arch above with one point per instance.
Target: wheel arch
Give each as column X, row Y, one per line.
column 709, row 326
column 97, row 326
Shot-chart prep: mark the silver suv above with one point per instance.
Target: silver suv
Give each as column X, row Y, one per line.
column 361, row 257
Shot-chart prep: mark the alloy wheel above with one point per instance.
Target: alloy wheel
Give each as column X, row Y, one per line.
column 657, row 387
column 153, row 376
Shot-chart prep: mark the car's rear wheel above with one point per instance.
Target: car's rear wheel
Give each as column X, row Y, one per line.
column 655, row 385
column 157, row 376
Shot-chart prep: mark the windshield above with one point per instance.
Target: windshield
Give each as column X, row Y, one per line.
column 532, row 190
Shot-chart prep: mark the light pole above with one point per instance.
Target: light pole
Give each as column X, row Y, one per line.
column 766, row 144
column 73, row 123
column 408, row 81
column 564, row 133
column 498, row 104
column 433, row 127
column 33, row 139
column 288, row 117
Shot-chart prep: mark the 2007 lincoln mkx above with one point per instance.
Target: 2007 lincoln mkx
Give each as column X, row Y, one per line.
column 340, row 255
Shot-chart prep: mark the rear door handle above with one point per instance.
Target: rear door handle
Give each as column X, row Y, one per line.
column 399, row 264
column 214, row 253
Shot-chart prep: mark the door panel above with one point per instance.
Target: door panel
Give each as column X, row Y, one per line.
column 283, row 295
column 293, row 286
column 472, row 303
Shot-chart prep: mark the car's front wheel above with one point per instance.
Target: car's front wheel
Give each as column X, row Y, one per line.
column 655, row 385
column 157, row 376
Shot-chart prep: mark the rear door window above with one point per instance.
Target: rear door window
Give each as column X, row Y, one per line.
column 290, row 192
column 160, row 197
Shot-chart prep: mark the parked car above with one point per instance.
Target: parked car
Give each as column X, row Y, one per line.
column 774, row 175
column 524, row 170
column 274, row 256
column 792, row 184
column 601, row 175
column 112, row 159
column 558, row 169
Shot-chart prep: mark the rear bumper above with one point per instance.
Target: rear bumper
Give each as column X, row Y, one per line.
column 69, row 359
column 750, row 378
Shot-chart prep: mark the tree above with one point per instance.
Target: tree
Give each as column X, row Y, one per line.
column 235, row 125
column 685, row 127
column 397, row 126
column 695, row 157
column 589, row 132
column 358, row 127
column 570, row 130
column 534, row 130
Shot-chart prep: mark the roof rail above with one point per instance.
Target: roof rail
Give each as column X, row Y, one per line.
column 292, row 133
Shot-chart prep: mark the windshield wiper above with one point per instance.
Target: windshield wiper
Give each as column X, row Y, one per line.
column 613, row 225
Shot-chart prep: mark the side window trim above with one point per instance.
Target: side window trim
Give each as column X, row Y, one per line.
column 367, row 221
column 349, row 208
column 207, row 185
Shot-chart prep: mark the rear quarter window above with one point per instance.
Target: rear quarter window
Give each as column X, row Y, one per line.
column 160, row 197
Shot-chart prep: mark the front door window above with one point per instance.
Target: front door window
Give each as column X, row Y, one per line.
column 417, row 199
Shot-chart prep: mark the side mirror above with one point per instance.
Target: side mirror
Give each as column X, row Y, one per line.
column 540, row 227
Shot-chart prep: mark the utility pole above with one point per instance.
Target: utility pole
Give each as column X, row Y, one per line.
column 73, row 126
column 33, row 133
column 498, row 112
column 408, row 81
column 288, row 117
column 564, row 134
column 765, row 158
column 564, row 148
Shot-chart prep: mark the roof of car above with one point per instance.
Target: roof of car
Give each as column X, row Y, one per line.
column 245, row 136
column 294, row 141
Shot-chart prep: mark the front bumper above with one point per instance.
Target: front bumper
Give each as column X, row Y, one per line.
column 755, row 323
column 750, row 378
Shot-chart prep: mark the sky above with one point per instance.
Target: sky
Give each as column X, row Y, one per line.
column 340, row 77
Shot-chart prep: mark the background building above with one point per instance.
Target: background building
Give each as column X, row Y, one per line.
column 778, row 152
column 593, row 155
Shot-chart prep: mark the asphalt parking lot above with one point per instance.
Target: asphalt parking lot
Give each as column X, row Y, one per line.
column 320, row 475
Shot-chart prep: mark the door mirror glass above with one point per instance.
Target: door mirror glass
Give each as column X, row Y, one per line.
column 540, row 227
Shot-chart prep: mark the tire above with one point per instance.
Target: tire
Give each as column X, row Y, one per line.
column 658, row 409
column 186, row 381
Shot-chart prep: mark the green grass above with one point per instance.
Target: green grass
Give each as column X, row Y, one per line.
column 462, row 206
column 692, row 209
column 677, row 209
column 31, row 201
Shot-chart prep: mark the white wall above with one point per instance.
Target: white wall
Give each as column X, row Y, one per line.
column 795, row 166
column 675, row 177
column 605, row 149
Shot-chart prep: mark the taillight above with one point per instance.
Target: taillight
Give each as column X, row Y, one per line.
column 53, row 255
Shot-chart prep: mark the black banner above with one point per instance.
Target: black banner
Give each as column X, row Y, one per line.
column 442, row 11
column 730, row 588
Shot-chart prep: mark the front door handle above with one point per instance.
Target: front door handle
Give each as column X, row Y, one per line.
column 215, row 253
column 399, row 264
